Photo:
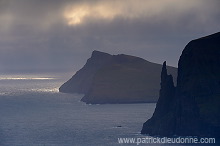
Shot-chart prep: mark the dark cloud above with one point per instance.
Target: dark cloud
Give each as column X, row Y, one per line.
column 55, row 35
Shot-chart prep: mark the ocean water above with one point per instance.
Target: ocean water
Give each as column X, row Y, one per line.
column 34, row 113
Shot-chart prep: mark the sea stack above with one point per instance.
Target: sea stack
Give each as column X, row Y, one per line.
column 119, row 78
column 195, row 107
column 165, row 103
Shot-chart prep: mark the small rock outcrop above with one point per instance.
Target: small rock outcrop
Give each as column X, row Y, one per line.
column 195, row 107
column 120, row 78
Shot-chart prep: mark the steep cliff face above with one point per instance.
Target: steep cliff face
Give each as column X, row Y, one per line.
column 116, row 79
column 198, row 87
column 163, row 117
column 196, row 104
column 82, row 80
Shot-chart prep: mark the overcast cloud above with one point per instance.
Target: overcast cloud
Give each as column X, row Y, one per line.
column 54, row 35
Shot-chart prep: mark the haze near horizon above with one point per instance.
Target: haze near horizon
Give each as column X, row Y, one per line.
column 54, row 35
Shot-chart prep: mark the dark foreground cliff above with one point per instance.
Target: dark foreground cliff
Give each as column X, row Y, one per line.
column 192, row 107
column 121, row 78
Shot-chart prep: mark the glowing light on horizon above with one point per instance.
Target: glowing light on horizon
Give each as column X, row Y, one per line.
column 23, row 78
column 52, row 90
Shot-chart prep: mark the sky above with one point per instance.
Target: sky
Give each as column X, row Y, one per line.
column 60, row 35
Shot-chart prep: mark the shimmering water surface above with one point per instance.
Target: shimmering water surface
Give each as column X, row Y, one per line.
column 33, row 112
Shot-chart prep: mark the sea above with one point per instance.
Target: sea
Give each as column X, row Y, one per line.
column 34, row 113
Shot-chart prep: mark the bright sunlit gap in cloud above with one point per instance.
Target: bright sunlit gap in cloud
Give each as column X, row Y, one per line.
column 76, row 14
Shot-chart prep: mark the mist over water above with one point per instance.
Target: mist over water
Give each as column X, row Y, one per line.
column 33, row 112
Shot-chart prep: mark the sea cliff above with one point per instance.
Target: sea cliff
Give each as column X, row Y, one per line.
column 119, row 78
column 192, row 107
